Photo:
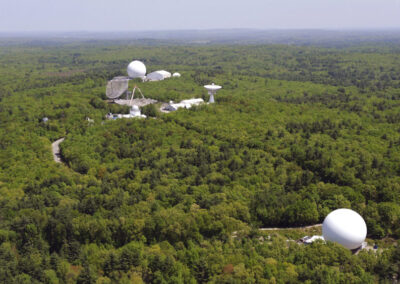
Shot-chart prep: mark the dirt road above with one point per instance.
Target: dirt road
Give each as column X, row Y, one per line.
column 55, row 148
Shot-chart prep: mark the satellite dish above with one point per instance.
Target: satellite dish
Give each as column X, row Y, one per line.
column 212, row 90
column 346, row 227
column 136, row 69
column 116, row 87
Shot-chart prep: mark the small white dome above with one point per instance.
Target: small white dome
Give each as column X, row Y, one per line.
column 135, row 107
column 136, row 69
column 346, row 227
column 176, row 74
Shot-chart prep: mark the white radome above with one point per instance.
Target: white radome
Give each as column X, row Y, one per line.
column 346, row 227
column 136, row 69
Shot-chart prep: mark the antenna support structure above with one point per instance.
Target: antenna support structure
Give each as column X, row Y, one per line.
column 133, row 93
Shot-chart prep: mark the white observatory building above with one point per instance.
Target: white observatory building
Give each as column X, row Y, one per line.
column 212, row 90
column 187, row 104
column 158, row 75
column 345, row 227
column 134, row 113
column 136, row 69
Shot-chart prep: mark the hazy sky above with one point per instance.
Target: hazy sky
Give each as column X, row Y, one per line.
column 131, row 15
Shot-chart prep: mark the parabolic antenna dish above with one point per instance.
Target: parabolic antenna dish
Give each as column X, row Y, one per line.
column 136, row 69
column 116, row 87
column 346, row 227
column 212, row 87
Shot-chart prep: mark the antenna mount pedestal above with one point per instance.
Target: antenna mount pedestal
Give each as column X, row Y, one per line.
column 211, row 100
column 133, row 93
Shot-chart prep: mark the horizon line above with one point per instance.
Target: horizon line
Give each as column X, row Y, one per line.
column 205, row 29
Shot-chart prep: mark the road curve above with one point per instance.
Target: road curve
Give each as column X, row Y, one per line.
column 55, row 148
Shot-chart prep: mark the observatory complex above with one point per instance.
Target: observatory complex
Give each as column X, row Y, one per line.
column 118, row 86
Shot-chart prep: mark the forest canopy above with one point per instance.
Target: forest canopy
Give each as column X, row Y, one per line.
column 295, row 133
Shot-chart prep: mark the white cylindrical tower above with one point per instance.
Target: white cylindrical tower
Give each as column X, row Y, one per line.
column 211, row 100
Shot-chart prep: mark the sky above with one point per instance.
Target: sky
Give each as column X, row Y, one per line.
column 134, row 15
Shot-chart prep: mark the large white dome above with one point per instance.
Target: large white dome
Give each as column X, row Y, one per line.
column 136, row 69
column 345, row 227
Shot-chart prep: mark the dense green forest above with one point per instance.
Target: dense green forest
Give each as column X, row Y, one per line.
column 295, row 133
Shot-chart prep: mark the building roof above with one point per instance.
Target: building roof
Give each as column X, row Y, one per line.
column 309, row 240
column 184, row 104
column 158, row 75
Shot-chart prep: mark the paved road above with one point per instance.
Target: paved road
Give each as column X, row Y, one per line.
column 294, row 228
column 55, row 148
column 234, row 234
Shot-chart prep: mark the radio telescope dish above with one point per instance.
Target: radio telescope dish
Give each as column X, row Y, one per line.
column 212, row 90
column 116, row 87
column 136, row 69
